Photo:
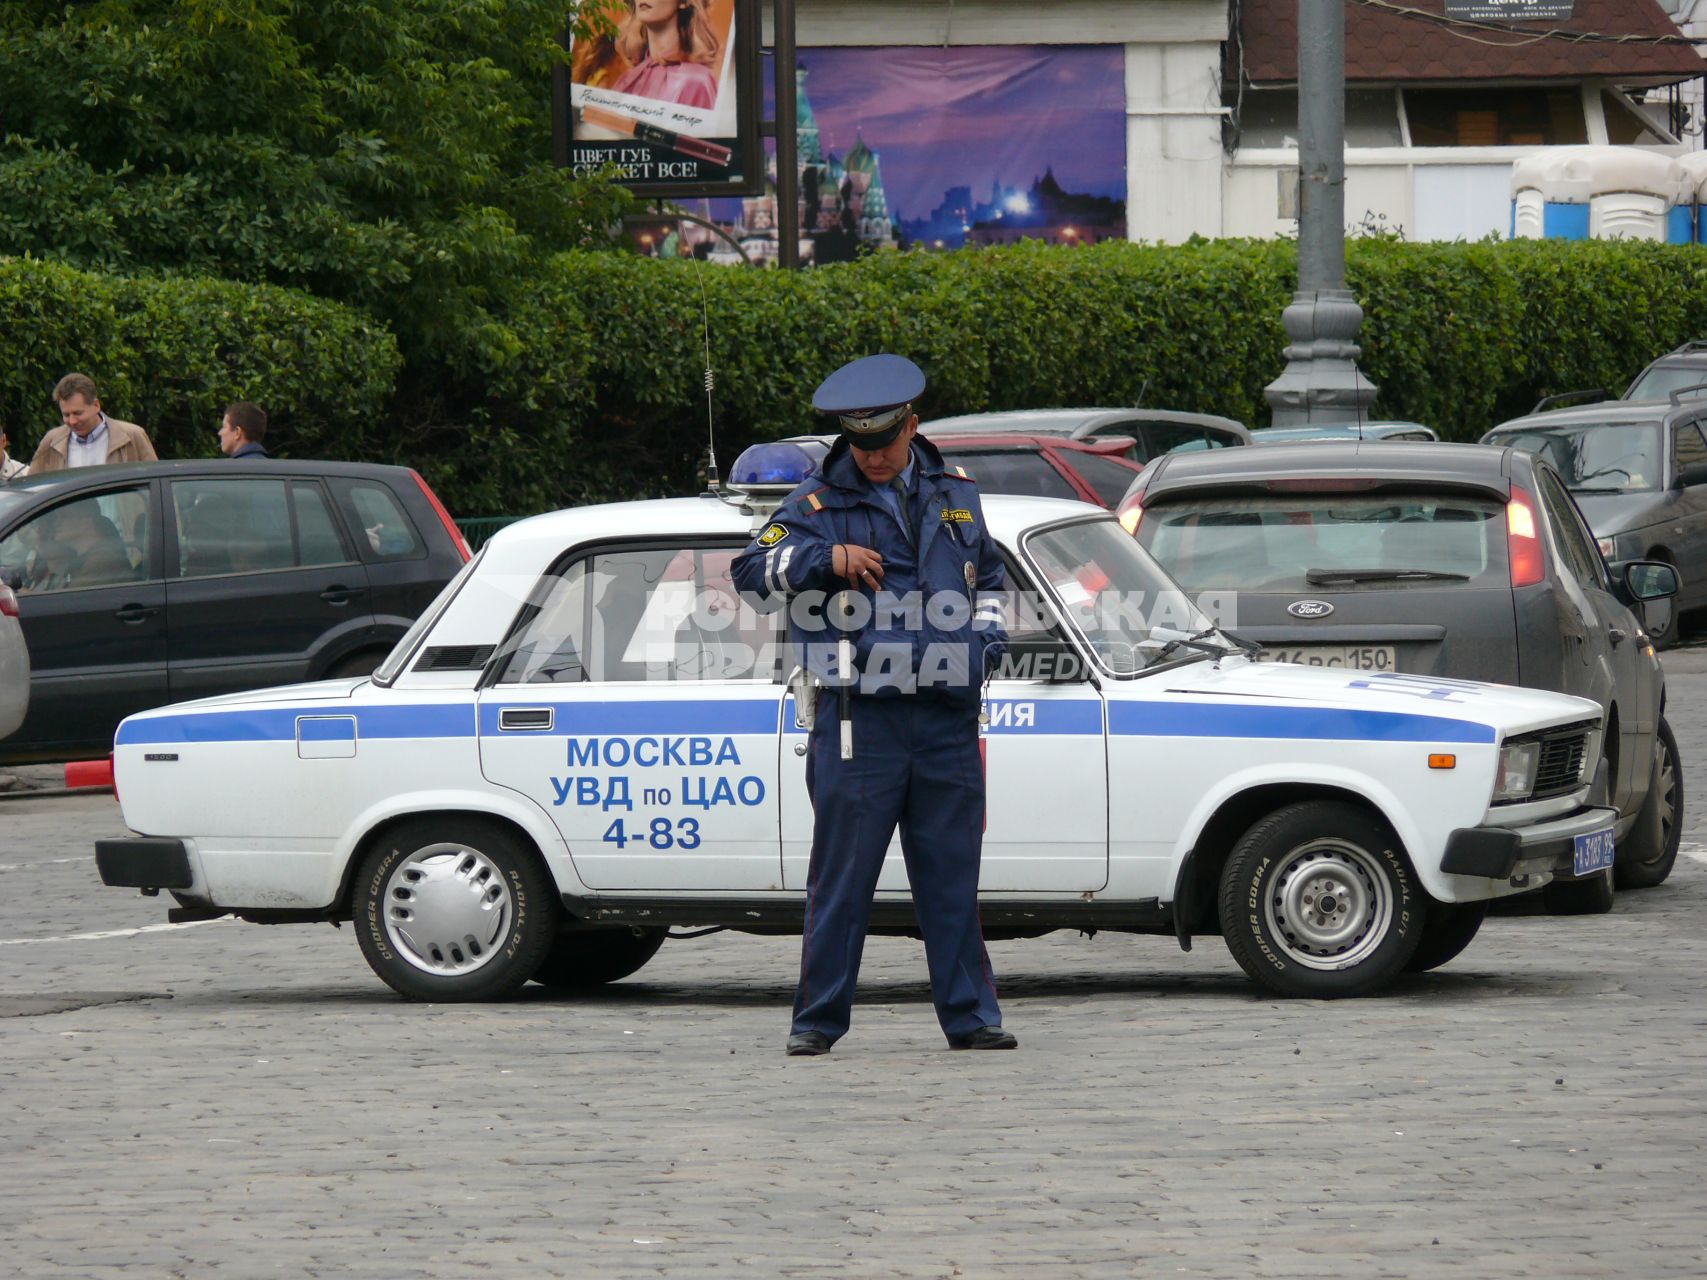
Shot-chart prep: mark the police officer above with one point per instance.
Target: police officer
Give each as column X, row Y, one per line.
column 888, row 544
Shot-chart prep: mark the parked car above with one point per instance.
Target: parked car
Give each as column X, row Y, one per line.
column 588, row 739
column 1681, row 370
column 1436, row 561
column 1152, row 432
column 141, row 584
column 1638, row 471
column 1092, row 470
column 1344, row 431
column 14, row 665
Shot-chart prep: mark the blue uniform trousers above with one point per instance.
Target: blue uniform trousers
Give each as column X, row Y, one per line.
column 915, row 763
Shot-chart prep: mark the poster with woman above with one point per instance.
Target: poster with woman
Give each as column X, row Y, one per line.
column 664, row 90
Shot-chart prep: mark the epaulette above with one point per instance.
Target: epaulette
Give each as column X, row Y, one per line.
column 963, row 473
column 811, row 503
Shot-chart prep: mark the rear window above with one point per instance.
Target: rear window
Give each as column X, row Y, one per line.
column 1107, row 478
column 1595, row 457
column 384, row 530
column 1323, row 542
column 1013, row 471
column 1658, row 383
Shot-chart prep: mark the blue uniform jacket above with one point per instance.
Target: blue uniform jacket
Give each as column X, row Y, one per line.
column 934, row 626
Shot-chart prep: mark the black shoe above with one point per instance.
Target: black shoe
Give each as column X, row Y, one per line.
column 809, row 1044
column 982, row 1038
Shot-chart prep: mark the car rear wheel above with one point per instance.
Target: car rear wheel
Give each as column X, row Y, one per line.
column 597, row 956
column 356, row 664
column 1650, row 850
column 1447, row 930
column 1317, row 900
column 454, row 909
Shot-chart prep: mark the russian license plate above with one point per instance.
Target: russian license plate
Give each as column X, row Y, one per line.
column 1593, row 852
column 1356, row 657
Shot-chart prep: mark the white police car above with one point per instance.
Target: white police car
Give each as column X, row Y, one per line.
column 588, row 738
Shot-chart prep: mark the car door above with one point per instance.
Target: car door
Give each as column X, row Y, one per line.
column 261, row 582
column 1045, row 772
column 638, row 703
column 93, row 609
column 1606, row 647
column 1687, row 526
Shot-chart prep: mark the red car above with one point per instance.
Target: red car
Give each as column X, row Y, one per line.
column 1044, row 466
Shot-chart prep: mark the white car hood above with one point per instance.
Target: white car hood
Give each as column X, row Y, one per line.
column 1505, row 708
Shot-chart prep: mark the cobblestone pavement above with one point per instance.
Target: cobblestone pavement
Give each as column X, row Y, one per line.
column 233, row 1100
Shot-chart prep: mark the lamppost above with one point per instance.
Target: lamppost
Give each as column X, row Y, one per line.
column 1321, row 382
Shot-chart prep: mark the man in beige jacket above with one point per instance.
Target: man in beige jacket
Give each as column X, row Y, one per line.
column 88, row 437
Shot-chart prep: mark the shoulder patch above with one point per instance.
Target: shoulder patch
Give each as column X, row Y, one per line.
column 772, row 535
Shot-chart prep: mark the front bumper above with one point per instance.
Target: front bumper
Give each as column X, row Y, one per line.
column 144, row 862
column 1502, row 853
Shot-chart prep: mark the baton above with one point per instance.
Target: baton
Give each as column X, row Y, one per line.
column 844, row 666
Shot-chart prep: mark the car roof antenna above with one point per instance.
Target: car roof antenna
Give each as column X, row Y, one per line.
column 714, row 485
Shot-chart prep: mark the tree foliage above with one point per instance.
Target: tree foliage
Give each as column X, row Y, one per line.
column 393, row 154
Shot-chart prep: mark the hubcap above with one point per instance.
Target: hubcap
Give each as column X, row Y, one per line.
column 1667, row 784
column 1329, row 905
column 446, row 908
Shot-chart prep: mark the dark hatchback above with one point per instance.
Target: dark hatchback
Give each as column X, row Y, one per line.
column 1446, row 562
column 140, row 585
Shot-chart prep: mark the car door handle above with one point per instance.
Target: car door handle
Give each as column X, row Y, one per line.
column 132, row 614
column 1617, row 635
column 340, row 595
column 536, row 719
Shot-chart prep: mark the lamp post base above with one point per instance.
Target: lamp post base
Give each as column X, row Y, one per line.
column 1321, row 382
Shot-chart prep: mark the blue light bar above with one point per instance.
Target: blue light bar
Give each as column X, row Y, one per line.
column 770, row 466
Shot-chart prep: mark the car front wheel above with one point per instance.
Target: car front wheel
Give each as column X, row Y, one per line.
column 597, row 956
column 454, row 909
column 1650, row 850
column 1317, row 900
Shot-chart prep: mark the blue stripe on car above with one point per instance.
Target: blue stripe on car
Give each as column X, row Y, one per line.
column 759, row 716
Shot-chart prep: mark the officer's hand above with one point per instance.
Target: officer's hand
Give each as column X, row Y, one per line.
column 858, row 564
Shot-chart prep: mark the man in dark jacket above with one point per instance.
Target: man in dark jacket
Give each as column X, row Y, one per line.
column 242, row 430
column 899, row 539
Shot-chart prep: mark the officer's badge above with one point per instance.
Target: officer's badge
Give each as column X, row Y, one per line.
column 772, row 535
column 959, row 515
column 971, row 576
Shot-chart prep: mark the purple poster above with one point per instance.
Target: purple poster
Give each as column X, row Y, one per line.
column 938, row 148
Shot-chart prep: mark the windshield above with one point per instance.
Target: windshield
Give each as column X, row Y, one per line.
column 1297, row 542
column 1595, row 457
column 1113, row 593
column 1658, row 383
column 395, row 660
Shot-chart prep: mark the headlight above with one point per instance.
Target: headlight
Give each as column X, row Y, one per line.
column 1516, row 778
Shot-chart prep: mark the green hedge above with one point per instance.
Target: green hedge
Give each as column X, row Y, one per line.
column 171, row 352
column 592, row 386
column 1460, row 336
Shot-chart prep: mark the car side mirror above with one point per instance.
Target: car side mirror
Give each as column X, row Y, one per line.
column 1695, row 473
column 1041, row 657
column 1651, row 580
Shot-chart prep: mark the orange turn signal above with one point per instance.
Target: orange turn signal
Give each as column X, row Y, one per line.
column 1443, row 762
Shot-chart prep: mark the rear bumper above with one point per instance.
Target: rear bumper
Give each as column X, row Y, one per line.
column 1500, row 853
column 144, row 862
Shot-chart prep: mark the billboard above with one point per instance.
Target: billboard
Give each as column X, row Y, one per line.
column 667, row 91
column 938, row 148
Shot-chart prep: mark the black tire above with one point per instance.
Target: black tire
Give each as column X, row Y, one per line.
column 490, row 902
column 1448, row 928
column 364, row 663
column 1291, row 862
column 1591, row 896
column 1649, row 852
column 593, row 957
